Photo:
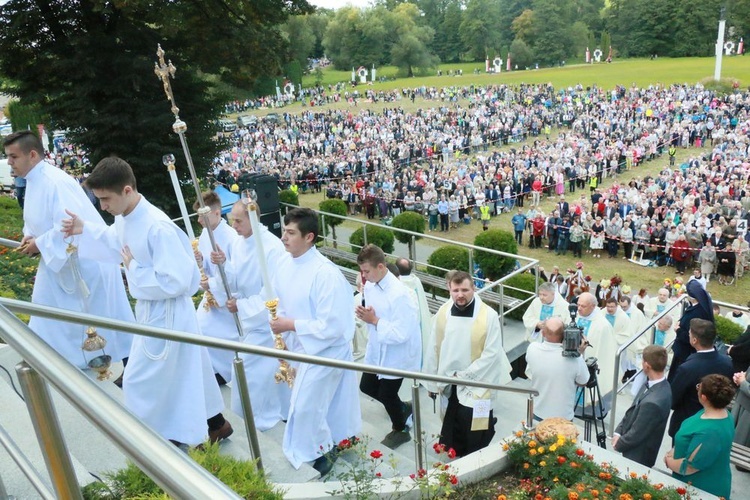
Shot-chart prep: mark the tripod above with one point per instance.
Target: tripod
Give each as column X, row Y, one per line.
column 594, row 414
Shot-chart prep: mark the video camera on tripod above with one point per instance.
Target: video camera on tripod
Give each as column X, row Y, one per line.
column 572, row 335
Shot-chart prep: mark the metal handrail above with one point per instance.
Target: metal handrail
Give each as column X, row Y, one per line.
column 170, row 468
column 415, row 234
column 166, row 334
column 26, row 467
column 732, row 306
column 679, row 302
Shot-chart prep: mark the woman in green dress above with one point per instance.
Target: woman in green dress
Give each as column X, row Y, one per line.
column 702, row 445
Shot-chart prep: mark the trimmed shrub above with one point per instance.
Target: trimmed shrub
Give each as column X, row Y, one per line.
column 410, row 221
column 290, row 197
column 727, row 330
column 377, row 235
column 332, row 206
column 523, row 281
column 448, row 257
column 494, row 266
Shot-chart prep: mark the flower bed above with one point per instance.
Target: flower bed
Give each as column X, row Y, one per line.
column 557, row 468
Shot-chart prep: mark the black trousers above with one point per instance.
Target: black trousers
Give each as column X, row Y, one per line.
column 385, row 391
column 456, row 432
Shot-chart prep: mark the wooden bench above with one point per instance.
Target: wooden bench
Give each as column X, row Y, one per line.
column 740, row 456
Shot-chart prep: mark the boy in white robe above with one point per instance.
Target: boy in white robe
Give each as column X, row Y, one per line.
column 547, row 304
column 270, row 399
column 316, row 317
column 169, row 385
column 214, row 318
column 413, row 282
column 90, row 286
column 466, row 342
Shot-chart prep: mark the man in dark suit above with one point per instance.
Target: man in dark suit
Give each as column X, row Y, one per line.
column 705, row 361
column 639, row 435
column 563, row 207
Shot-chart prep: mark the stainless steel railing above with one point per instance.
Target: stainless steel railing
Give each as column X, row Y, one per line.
column 162, row 333
column 170, row 468
column 414, row 236
column 648, row 329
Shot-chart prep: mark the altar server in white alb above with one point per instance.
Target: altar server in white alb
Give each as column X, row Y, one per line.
column 466, row 342
column 413, row 282
column 317, row 318
column 547, row 304
column 214, row 319
column 169, row 385
column 270, row 400
column 394, row 338
column 601, row 337
column 65, row 280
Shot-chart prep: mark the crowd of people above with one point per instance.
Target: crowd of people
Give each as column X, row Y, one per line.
column 683, row 365
column 442, row 160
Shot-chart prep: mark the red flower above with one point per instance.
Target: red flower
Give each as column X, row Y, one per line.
column 439, row 448
column 378, row 474
column 561, row 460
column 412, row 476
column 376, row 454
column 451, row 453
column 421, row 473
column 580, row 452
column 681, row 490
column 345, row 443
column 453, row 479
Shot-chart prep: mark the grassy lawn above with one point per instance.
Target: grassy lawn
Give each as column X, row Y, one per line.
column 642, row 72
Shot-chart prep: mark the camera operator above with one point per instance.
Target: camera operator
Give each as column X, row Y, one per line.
column 554, row 375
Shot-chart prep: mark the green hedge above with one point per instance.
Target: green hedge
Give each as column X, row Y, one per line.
column 526, row 282
column 410, row 221
column 377, row 235
column 448, row 257
column 290, row 197
column 727, row 330
column 494, row 266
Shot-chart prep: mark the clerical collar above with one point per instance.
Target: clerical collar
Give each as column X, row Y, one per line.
column 466, row 312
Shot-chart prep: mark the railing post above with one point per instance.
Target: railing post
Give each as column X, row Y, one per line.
column 413, row 250
column 529, row 413
column 325, row 231
column 26, row 467
column 48, row 432
column 247, row 409
column 501, row 309
column 536, row 278
column 364, row 234
column 471, row 261
column 417, row 418
column 614, row 394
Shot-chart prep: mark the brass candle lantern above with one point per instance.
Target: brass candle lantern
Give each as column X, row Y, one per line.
column 286, row 372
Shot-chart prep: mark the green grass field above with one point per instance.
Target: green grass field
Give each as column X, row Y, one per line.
column 642, row 72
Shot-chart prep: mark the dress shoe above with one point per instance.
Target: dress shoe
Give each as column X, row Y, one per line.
column 324, row 463
column 394, row 439
column 223, row 432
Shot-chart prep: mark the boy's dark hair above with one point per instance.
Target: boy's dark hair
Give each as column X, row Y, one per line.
column 26, row 140
column 112, row 174
column 306, row 220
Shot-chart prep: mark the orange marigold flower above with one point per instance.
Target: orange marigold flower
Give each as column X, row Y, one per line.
column 607, row 490
column 580, row 452
column 506, row 447
column 572, row 495
column 532, row 444
column 561, row 459
column 519, row 433
column 538, row 496
column 647, row 496
column 502, row 497
column 526, row 465
column 595, row 493
column 634, row 475
column 532, row 452
column 580, row 487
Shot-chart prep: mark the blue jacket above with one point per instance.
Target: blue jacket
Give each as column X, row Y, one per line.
column 519, row 222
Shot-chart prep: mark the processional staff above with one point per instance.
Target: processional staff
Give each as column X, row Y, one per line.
column 164, row 71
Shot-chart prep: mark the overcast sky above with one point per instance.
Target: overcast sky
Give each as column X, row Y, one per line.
column 335, row 4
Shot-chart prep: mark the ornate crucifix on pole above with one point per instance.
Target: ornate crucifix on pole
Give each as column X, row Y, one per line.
column 164, row 70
